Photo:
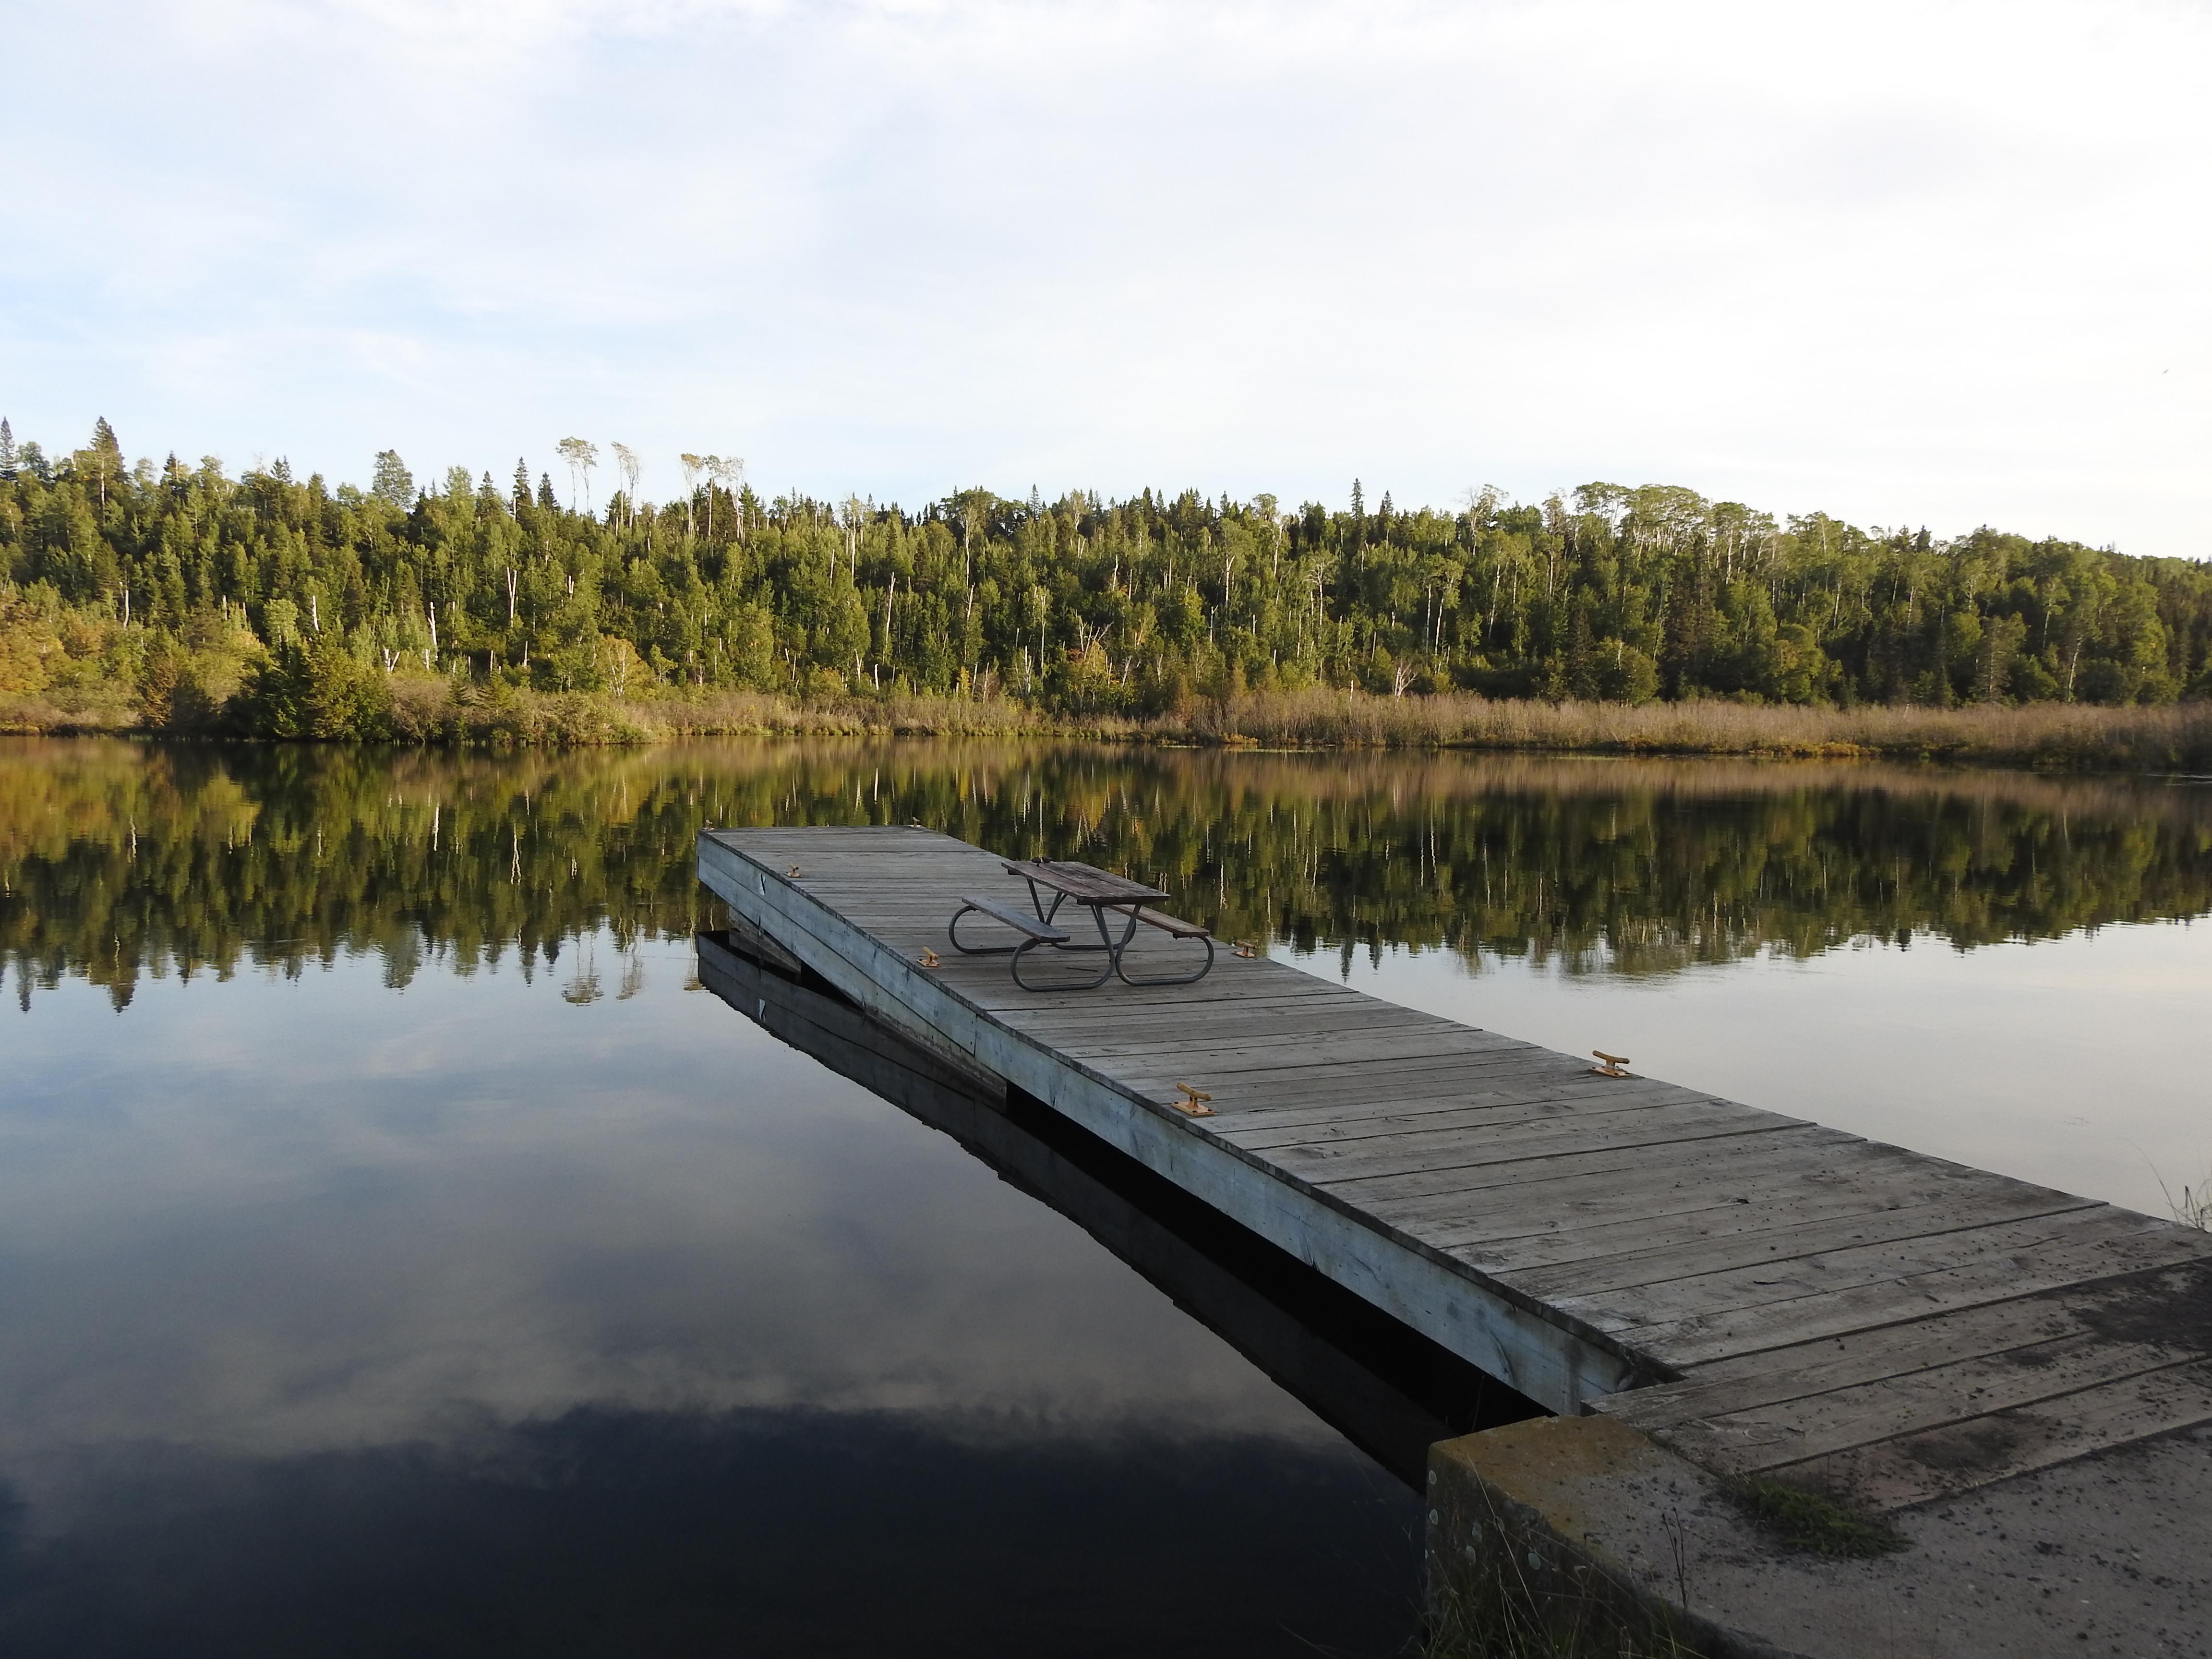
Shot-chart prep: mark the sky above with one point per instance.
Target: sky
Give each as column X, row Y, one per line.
column 1926, row 264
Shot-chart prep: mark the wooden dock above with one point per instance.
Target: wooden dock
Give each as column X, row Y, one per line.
column 1760, row 1294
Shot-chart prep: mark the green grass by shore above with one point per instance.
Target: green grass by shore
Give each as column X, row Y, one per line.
column 2173, row 738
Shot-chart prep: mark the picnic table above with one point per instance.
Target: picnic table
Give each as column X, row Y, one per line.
column 1096, row 890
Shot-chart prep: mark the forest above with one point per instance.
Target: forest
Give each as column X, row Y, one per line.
column 177, row 597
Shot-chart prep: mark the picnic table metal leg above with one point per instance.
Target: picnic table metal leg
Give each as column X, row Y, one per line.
column 1112, row 946
column 1045, row 912
column 952, row 933
column 1127, row 978
column 1107, row 945
column 1027, row 945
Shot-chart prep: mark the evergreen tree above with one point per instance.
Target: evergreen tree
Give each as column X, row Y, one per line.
column 392, row 482
column 104, row 458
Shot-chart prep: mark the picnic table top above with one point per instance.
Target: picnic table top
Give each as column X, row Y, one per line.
column 1083, row 882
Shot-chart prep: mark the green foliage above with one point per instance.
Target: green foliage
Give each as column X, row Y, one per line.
column 1081, row 606
column 1492, row 1612
column 1816, row 1524
column 314, row 691
column 392, row 483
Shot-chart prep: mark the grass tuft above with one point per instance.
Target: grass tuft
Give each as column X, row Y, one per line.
column 1807, row 1521
column 2194, row 1207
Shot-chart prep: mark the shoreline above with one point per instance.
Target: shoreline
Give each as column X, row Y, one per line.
column 2170, row 738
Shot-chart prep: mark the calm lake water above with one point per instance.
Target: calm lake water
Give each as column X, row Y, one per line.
column 401, row 1252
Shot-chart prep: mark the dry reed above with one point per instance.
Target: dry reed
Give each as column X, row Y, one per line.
column 2047, row 736
column 2173, row 738
column 2061, row 736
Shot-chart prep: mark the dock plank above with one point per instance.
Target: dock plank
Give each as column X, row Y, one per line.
column 1959, row 1456
column 1999, row 1277
column 1450, row 1185
column 1766, row 1438
column 1353, row 1122
column 1569, row 1196
column 1421, row 1100
column 1797, row 1234
column 1383, row 1080
column 2128, row 1307
column 1654, row 1123
column 1234, row 1053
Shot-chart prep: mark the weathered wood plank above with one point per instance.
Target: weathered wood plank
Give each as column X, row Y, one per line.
column 1172, row 1022
column 1328, row 1091
column 1999, row 1277
column 1651, row 1125
column 1504, row 1063
column 1957, row 1457
column 1773, row 1436
column 1564, row 1194
column 1794, row 1236
column 1231, row 1054
column 2090, row 1233
column 1474, row 1109
column 1375, row 1079
column 1257, row 1015
column 1446, row 1187
column 2141, row 1307
column 1704, row 1228
column 1473, row 1119
column 1227, row 984
column 1269, row 1109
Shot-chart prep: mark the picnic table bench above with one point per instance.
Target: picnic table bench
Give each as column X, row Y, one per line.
column 1097, row 891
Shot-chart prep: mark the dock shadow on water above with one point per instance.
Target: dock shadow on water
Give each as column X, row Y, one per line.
column 1387, row 1389
column 400, row 1254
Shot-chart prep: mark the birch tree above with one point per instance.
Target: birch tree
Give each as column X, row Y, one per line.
column 581, row 457
column 693, row 465
column 627, row 464
column 729, row 471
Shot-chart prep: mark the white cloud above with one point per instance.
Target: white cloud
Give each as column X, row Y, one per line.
column 1936, row 263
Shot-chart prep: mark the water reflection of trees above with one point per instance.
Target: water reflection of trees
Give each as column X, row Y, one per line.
column 117, row 861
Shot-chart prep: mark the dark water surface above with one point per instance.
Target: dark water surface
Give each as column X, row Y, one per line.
column 401, row 1251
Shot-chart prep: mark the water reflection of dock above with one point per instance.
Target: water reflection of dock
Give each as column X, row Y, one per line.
column 1386, row 1387
column 1753, row 1295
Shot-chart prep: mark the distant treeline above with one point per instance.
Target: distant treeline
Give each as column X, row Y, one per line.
column 268, row 606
